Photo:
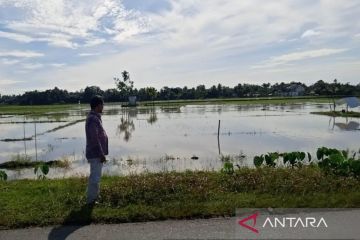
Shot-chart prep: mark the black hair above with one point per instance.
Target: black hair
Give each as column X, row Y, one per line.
column 95, row 101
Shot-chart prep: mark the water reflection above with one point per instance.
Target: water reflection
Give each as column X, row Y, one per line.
column 345, row 126
column 350, row 126
column 127, row 125
column 153, row 116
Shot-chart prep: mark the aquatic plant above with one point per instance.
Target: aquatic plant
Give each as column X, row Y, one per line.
column 3, row 175
column 338, row 162
column 330, row 160
column 289, row 158
column 41, row 170
column 228, row 168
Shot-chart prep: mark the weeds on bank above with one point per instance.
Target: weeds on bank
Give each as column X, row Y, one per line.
column 329, row 160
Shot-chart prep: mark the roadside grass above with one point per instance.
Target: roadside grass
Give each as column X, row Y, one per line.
column 172, row 195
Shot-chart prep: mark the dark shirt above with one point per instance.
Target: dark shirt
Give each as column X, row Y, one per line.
column 96, row 138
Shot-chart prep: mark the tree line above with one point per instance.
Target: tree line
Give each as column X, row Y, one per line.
column 120, row 94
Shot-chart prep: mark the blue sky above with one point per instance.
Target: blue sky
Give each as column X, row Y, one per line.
column 73, row 44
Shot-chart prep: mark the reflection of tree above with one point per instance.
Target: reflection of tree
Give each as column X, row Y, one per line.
column 126, row 125
column 153, row 117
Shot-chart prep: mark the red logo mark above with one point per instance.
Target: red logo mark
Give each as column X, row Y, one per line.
column 253, row 218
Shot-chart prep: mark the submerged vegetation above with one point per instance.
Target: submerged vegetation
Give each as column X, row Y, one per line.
column 339, row 114
column 3, row 175
column 21, row 161
column 48, row 131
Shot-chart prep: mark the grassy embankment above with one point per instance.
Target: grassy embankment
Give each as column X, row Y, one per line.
column 157, row 196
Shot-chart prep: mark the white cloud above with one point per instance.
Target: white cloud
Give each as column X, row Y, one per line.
column 57, row 65
column 9, row 61
column 94, row 42
column 21, row 54
column 310, row 33
column 79, row 22
column 88, row 54
column 32, row 66
column 297, row 56
column 16, row 37
column 188, row 41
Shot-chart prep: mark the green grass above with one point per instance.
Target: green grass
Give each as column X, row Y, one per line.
column 35, row 109
column 157, row 196
column 339, row 114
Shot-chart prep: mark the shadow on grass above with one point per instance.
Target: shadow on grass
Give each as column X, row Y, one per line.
column 74, row 221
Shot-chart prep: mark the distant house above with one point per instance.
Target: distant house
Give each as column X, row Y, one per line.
column 295, row 90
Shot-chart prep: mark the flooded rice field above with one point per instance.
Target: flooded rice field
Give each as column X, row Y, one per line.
column 167, row 138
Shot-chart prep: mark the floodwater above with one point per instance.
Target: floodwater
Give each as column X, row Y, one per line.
column 175, row 138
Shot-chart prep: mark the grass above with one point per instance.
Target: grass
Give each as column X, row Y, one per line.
column 339, row 114
column 171, row 195
column 11, row 165
column 35, row 109
column 23, row 161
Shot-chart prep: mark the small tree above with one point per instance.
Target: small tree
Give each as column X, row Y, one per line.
column 125, row 85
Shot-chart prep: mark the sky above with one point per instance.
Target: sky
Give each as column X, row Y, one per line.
column 73, row 44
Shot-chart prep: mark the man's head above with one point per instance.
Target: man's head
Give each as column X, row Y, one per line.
column 97, row 104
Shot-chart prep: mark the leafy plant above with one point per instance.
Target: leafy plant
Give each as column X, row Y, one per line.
column 228, row 168
column 337, row 162
column 258, row 160
column 3, row 176
column 125, row 85
column 41, row 170
column 272, row 159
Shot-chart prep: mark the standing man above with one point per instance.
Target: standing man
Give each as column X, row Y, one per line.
column 96, row 147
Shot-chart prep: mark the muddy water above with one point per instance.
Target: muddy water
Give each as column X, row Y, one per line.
column 175, row 138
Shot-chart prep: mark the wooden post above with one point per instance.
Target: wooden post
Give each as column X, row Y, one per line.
column 24, row 137
column 218, row 129
column 218, row 138
column 35, row 144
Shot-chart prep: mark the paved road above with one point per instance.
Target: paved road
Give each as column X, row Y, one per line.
column 216, row 228
column 340, row 224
